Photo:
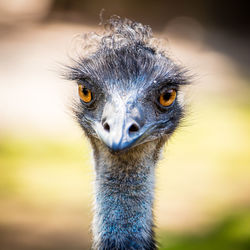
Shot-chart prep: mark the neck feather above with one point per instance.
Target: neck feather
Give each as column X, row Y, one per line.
column 124, row 195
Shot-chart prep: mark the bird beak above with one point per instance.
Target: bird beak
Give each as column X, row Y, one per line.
column 120, row 129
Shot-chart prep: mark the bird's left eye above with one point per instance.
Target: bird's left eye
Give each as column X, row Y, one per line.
column 84, row 93
column 167, row 97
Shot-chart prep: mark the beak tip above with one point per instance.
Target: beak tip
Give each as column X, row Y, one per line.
column 120, row 146
column 117, row 145
column 119, row 141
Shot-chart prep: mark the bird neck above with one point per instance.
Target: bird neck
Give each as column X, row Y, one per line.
column 124, row 195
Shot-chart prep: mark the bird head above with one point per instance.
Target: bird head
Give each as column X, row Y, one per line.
column 129, row 91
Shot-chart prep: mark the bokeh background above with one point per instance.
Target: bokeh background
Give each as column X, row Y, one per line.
column 46, row 175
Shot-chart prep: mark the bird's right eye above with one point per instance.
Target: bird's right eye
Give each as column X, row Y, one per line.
column 84, row 93
column 167, row 97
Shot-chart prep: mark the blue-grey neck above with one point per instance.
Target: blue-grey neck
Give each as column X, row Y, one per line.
column 124, row 195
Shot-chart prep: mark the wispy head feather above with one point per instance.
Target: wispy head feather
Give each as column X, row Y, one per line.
column 123, row 46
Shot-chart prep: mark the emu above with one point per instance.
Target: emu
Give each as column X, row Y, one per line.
column 129, row 105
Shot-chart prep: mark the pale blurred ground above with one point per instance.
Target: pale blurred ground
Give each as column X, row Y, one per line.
column 45, row 162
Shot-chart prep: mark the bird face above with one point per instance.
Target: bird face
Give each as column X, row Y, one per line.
column 128, row 96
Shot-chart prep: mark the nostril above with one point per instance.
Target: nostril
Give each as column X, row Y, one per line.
column 106, row 126
column 133, row 128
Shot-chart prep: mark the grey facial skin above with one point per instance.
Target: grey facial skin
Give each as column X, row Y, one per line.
column 127, row 126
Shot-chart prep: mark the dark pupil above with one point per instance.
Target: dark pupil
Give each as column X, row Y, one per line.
column 167, row 96
column 85, row 91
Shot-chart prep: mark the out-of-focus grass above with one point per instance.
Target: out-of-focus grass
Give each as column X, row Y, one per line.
column 45, row 193
column 232, row 233
column 203, row 177
column 49, row 167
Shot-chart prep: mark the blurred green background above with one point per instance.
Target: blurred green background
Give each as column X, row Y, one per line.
column 46, row 173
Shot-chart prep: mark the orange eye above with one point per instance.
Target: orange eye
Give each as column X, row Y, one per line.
column 167, row 98
column 84, row 93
